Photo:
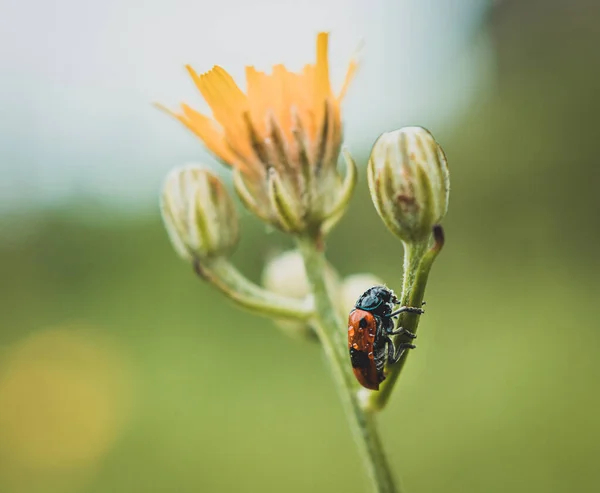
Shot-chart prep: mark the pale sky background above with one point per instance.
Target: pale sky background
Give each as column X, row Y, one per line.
column 78, row 77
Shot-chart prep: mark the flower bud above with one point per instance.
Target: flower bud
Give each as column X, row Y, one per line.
column 199, row 214
column 285, row 275
column 409, row 182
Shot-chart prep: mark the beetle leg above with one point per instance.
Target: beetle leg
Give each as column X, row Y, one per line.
column 410, row 309
column 395, row 353
column 402, row 331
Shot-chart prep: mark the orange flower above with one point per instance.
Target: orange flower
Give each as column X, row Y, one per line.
column 284, row 133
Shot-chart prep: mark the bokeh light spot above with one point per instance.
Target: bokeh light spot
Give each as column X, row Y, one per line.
column 65, row 395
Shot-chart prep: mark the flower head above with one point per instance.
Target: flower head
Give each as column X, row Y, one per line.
column 409, row 182
column 199, row 214
column 282, row 137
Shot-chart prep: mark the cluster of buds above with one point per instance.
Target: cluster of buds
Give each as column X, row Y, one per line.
column 407, row 174
column 283, row 152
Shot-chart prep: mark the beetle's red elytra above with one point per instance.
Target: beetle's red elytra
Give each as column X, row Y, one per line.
column 370, row 325
column 362, row 329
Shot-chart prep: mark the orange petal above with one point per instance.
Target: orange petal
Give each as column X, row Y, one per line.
column 208, row 131
column 349, row 76
column 322, row 89
column 225, row 98
column 306, row 112
column 259, row 89
column 283, row 98
column 229, row 105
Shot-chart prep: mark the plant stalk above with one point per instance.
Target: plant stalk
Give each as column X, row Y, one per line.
column 330, row 329
column 227, row 279
column 418, row 261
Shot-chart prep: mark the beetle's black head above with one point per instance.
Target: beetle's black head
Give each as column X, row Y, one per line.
column 378, row 300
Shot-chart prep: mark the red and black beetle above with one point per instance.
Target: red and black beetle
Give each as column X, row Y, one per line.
column 370, row 326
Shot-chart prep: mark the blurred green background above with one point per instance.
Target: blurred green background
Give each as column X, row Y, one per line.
column 120, row 371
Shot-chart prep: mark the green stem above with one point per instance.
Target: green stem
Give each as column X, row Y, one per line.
column 329, row 330
column 227, row 279
column 417, row 265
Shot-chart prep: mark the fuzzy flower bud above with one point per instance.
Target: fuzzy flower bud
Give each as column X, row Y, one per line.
column 285, row 275
column 199, row 214
column 409, row 182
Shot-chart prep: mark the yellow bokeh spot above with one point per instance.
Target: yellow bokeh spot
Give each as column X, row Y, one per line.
column 64, row 398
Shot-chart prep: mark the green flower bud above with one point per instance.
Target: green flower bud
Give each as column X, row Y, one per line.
column 199, row 214
column 409, row 182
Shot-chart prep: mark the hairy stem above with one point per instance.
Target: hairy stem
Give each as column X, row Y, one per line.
column 329, row 329
column 227, row 279
column 417, row 265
